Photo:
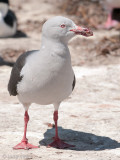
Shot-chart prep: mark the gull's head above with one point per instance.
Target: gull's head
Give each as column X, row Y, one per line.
column 4, row 6
column 63, row 29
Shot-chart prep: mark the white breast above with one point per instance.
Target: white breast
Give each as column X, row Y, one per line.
column 47, row 78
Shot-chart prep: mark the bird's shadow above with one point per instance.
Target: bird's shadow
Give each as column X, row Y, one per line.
column 20, row 34
column 82, row 141
column 3, row 62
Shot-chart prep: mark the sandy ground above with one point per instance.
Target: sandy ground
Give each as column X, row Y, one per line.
column 88, row 119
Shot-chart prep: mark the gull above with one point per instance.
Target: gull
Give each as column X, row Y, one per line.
column 46, row 76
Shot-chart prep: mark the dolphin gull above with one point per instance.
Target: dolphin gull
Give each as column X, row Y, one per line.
column 46, row 76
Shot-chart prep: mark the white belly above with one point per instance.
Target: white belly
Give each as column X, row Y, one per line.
column 5, row 30
column 46, row 82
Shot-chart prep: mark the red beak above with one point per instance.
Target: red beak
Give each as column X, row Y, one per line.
column 82, row 31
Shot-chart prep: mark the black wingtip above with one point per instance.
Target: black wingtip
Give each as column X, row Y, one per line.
column 74, row 82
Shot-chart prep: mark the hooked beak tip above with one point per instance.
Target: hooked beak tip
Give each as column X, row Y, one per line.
column 82, row 31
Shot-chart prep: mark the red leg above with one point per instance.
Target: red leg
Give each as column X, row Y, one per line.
column 110, row 23
column 58, row 143
column 24, row 143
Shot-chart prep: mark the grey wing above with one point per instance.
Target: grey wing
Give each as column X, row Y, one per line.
column 15, row 76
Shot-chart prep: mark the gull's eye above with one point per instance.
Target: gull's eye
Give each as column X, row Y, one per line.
column 62, row 26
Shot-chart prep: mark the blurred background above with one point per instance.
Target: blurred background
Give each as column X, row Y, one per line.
column 90, row 117
column 103, row 48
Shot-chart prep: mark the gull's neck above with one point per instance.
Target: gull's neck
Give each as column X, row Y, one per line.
column 53, row 42
column 56, row 47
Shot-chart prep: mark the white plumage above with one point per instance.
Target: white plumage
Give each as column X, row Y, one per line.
column 47, row 75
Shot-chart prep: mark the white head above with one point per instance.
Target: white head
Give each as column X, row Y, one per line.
column 4, row 6
column 63, row 29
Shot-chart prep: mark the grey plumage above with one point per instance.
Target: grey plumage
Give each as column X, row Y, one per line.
column 15, row 77
column 46, row 76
